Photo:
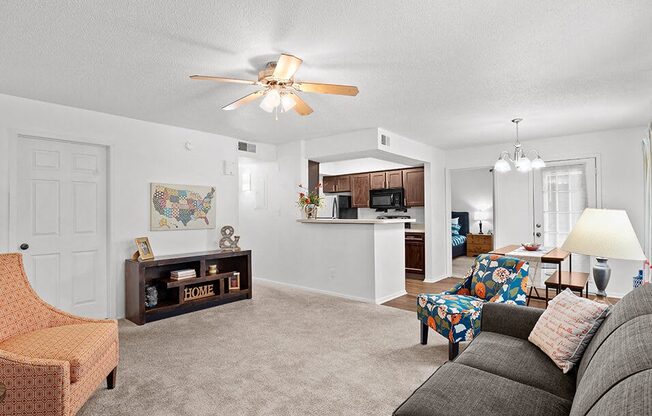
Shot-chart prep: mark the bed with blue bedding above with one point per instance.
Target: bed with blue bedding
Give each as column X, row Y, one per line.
column 459, row 238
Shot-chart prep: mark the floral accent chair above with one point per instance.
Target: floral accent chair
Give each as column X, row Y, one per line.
column 456, row 313
column 51, row 362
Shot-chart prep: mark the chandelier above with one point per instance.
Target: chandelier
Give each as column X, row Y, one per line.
column 520, row 160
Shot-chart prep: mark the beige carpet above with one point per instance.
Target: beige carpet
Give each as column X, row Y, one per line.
column 285, row 352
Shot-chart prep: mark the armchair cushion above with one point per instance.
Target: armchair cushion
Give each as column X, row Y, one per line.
column 456, row 317
column 82, row 345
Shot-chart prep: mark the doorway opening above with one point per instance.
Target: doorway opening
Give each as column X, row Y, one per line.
column 471, row 216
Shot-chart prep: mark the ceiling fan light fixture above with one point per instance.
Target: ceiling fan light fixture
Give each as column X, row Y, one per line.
column 287, row 102
column 271, row 101
column 279, row 87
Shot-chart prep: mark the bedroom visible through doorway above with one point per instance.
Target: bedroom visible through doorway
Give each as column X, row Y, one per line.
column 472, row 213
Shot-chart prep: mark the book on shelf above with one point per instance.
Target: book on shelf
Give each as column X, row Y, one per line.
column 182, row 274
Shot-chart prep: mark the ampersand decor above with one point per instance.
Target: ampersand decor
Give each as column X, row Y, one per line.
column 229, row 242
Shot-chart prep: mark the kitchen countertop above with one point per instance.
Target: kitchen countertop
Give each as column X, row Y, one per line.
column 357, row 221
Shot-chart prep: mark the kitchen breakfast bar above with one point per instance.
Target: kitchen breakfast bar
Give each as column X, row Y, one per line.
column 361, row 259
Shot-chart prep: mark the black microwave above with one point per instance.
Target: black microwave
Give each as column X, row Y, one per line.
column 386, row 198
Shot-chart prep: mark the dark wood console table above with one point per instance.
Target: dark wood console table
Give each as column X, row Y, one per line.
column 173, row 295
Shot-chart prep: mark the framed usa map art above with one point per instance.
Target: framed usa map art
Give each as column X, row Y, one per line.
column 181, row 207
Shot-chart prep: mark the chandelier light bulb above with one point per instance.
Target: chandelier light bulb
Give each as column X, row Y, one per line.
column 502, row 166
column 538, row 163
column 523, row 164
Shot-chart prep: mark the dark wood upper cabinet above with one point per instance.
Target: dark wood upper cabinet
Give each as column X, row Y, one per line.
column 313, row 175
column 330, row 184
column 360, row 185
column 378, row 180
column 394, row 178
column 413, row 183
column 343, row 183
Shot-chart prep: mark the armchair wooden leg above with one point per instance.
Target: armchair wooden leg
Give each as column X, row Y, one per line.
column 111, row 379
column 424, row 333
column 453, row 350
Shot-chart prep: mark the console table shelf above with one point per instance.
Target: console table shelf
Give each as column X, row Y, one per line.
column 214, row 289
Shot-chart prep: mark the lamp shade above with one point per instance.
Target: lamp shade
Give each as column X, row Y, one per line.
column 480, row 215
column 604, row 233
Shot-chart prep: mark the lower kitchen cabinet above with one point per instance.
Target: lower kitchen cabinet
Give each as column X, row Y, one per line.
column 415, row 253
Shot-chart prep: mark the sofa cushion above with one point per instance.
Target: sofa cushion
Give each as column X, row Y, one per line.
column 631, row 397
column 625, row 353
column 518, row 360
column 637, row 303
column 456, row 389
column 81, row 345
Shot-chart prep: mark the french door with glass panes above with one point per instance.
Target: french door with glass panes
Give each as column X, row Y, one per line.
column 561, row 191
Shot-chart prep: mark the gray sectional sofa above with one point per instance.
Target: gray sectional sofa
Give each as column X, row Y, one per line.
column 502, row 373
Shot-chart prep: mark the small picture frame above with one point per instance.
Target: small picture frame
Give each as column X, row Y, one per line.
column 234, row 281
column 144, row 248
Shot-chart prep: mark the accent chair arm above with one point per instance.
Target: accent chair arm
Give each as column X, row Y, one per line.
column 512, row 320
column 24, row 378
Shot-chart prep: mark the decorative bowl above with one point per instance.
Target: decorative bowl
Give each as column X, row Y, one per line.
column 531, row 246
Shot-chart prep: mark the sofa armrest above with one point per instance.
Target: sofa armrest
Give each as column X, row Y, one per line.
column 512, row 320
column 25, row 378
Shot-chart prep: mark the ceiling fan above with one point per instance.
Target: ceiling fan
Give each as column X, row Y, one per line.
column 280, row 88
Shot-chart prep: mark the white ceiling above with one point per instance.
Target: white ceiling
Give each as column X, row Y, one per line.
column 449, row 73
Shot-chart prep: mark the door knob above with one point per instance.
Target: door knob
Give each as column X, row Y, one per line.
column 538, row 234
column 538, row 225
column 24, row 246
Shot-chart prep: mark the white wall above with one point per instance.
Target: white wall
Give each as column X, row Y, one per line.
column 366, row 164
column 621, row 177
column 139, row 152
column 472, row 190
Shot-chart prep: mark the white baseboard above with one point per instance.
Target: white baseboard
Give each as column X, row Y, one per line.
column 313, row 290
column 390, row 297
column 435, row 279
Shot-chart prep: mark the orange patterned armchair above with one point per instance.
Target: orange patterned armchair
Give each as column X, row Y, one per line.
column 50, row 362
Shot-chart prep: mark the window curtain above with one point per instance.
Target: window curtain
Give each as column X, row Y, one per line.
column 647, row 171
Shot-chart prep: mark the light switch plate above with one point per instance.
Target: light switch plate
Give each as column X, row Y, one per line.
column 229, row 167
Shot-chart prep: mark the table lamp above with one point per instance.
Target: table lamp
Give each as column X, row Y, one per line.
column 479, row 216
column 604, row 233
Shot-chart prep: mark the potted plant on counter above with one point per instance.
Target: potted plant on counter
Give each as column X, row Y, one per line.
column 309, row 201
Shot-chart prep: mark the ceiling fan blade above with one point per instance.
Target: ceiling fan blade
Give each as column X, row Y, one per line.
column 223, row 79
column 244, row 100
column 286, row 66
column 326, row 88
column 301, row 107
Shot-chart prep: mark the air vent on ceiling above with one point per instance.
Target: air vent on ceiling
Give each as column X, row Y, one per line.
column 384, row 140
column 246, row 147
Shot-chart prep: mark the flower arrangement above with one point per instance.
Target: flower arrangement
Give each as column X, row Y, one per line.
column 309, row 201
column 308, row 197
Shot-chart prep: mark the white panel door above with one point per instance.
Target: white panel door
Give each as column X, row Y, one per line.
column 61, row 225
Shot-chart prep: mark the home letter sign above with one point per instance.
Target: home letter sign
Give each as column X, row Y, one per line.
column 197, row 292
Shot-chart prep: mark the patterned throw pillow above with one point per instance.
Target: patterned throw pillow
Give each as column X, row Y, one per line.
column 565, row 329
column 455, row 229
